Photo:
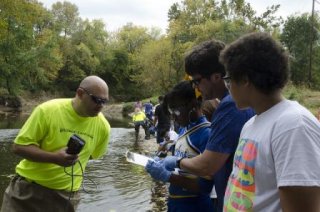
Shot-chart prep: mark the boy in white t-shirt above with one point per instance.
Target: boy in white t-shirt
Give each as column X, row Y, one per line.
column 277, row 162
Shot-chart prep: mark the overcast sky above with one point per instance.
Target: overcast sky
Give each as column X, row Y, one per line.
column 153, row 13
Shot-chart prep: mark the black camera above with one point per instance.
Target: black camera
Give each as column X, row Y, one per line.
column 75, row 145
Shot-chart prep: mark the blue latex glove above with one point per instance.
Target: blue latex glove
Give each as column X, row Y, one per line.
column 170, row 162
column 157, row 171
column 157, row 159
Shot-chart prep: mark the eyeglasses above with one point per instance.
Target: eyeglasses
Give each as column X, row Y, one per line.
column 196, row 82
column 174, row 111
column 95, row 99
column 227, row 81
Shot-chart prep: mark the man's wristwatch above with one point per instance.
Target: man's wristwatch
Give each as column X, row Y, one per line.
column 178, row 162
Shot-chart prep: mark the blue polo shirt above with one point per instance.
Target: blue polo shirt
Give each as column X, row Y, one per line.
column 148, row 108
column 226, row 125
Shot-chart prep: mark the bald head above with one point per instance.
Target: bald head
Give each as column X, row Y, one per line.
column 91, row 96
column 95, row 85
column 91, row 82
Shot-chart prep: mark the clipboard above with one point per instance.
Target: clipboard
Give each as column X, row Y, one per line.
column 136, row 158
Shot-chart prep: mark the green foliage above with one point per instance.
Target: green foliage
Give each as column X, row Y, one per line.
column 55, row 49
column 93, row 38
column 294, row 93
column 156, row 73
column 128, row 107
column 10, row 101
column 305, row 96
column 66, row 17
column 85, row 59
column 226, row 31
column 226, row 20
column 154, row 100
column 24, row 44
column 296, row 36
column 131, row 38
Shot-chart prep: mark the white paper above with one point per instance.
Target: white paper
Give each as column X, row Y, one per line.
column 173, row 136
column 136, row 158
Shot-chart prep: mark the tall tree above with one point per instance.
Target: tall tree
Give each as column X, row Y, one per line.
column 190, row 16
column 66, row 17
column 127, row 44
column 156, row 72
column 92, row 37
column 23, row 39
column 131, row 37
column 297, row 35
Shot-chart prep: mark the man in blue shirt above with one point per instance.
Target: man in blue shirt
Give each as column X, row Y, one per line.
column 202, row 63
column 148, row 110
column 187, row 193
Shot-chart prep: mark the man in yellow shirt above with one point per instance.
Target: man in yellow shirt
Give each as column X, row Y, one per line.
column 50, row 170
column 139, row 119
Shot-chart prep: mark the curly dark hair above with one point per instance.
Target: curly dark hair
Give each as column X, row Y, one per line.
column 184, row 93
column 258, row 57
column 203, row 59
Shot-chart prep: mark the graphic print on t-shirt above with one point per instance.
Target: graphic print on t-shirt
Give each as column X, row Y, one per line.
column 241, row 186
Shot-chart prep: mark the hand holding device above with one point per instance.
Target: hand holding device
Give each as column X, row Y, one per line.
column 75, row 145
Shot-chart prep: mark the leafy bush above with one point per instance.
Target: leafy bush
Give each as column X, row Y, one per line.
column 127, row 108
column 305, row 96
column 10, row 101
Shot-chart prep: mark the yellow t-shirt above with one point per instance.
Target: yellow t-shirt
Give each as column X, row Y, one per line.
column 50, row 126
column 139, row 116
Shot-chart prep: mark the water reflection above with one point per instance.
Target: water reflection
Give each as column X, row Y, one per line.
column 7, row 159
column 120, row 186
column 12, row 120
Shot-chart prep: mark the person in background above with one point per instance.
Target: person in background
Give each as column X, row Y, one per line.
column 277, row 162
column 202, row 63
column 161, row 120
column 140, row 119
column 148, row 110
column 194, row 133
column 50, row 173
column 138, row 104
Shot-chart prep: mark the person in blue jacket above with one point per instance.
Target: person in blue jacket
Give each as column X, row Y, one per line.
column 148, row 110
column 187, row 192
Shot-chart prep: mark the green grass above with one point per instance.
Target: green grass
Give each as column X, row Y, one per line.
column 305, row 96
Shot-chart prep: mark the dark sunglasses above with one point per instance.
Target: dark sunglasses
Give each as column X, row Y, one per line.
column 95, row 99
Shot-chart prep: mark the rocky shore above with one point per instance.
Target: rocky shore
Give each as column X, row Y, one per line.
column 111, row 111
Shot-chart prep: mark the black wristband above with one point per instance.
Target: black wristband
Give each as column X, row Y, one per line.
column 178, row 162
